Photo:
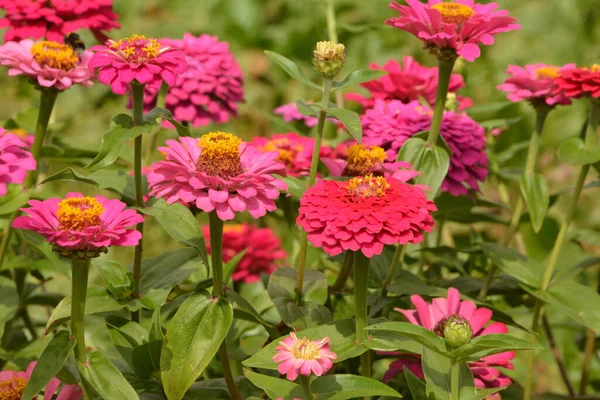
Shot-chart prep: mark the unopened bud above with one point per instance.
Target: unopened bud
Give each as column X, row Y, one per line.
column 457, row 331
column 451, row 102
column 329, row 58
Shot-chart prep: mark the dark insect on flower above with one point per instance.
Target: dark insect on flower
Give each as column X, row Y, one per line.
column 75, row 42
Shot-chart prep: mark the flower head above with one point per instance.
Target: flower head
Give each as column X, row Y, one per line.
column 453, row 28
column 12, row 386
column 456, row 331
column 579, row 82
column 364, row 214
column 290, row 113
column 536, row 83
column 79, row 226
column 295, row 151
column 48, row 64
column 15, row 160
column 218, row 172
column 329, row 58
column 136, row 60
column 53, row 19
column 390, row 123
column 303, row 357
column 262, row 248
column 22, row 134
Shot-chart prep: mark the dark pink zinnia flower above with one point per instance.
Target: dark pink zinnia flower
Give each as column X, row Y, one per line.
column 364, row 214
column 136, row 58
column 53, row 19
column 433, row 316
column 218, row 172
column 15, row 160
column 12, row 386
column 579, row 82
column 263, row 250
column 536, row 83
column 391, row 123
column 303, row 357
column 459, row 26
column 295, row 151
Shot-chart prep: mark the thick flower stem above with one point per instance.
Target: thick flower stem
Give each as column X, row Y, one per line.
column 305, row 382
column 361, row 292
column 444, row 74
column 395, row 262
column 79, row 282
column 327, row 83
column 564, row 374
column 455, row 382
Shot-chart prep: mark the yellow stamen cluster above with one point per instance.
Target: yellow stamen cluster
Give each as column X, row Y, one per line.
column 220, row 154
column 368, row 186
column 78, row 213
column 287, row 152
column 137, row 48
column 54, row 55
column 305, row 349
column 547, row 73
column 362, row 158
column 454, row 13
column 594, row 68
column 329, row 51
column 12, row 389
column 20, row 132
column 233, row 228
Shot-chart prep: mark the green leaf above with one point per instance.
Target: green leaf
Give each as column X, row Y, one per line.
column 578, row 302
column 192, row 340
column 168, row 269
column 158, row 112
column 437, row 370
column 156, row 331
column 485, row 393
column 295, row 186
column 350, row 119
column 275, row 387
column 116, row 277
column 292, row 69
column 306, row 315
column 14, row 199
column 534, row 189
column 358, row 77
column 105, row 378
column 574, row 152
column 307, row 109
column 487, row 345
column 125, row 335
column 121, row 130
column 146, row 359
column 432, row 162
column 342, row 387
column 515, row 264
column 37, row 242
column 231, row 265
column 245, row 305
column 425, row 337
column 10, row 301
column 417, row 387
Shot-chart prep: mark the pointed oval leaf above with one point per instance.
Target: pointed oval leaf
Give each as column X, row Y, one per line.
column 158, row 112
column 358, row 77
column 427, row 338
column 343, row 387
column 432, row 162
column 105, row 378
column 574, row 152
column 351, row 121
column 534, row 189
column 146, row 359
column 437, row 370
column 292, row 69
column 274, row 387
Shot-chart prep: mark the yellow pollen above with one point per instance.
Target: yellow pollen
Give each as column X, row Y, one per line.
column 453, row 13
column 152, row 48
column 305, row 349
column 287, row 152
column 220, row 154
column 12, row 389
column 78, row 213
column 20, row 132
column 233, row 228
column 361, row 159
column 594, row 68
column 129, row 51
column 368, row 186
column 55, row 55
column 547, row 72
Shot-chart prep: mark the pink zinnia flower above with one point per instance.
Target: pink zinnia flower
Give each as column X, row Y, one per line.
column 289, row 112
column 138, row 59
column 303, row 357
column 295, row 151
column 263, row 250
column 459, row 26
column 49, row 64
column 12, row 386
column 579, row 82
column 364, row 214
column 218, row 172
column 433, row 316
column 81, row 223
column 390, row 124
column 53, row 19
column 25, row 136
column 536, row 83
column 15, row 160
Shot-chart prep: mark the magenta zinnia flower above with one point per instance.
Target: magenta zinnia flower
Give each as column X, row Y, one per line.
column 138, row 59
column 49, row 64
column 81, row 224
column 303, row 357
column 15, row 160
column 289, row 112
column 390, row 124
column 53, row 19
column 218, row 172
column 433, row 316
column 263, row 250
column 363, row 214
column 458, row 26
column 295, row 151
column 12, row 386
column 578, row 82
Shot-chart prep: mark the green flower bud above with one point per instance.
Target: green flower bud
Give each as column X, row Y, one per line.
column 329, row 58
column 457, row 331
column 451, row 102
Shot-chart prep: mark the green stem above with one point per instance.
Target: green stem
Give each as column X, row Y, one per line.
column 444, row 73
column 227, row 373
column 6, row 237
column 590, row 347
column 305, row 382
column 342, row 277
column 331, row 21
column 47, row 100
column 455, row 381
column 361, row 292
column 79, row 281
column 288, row 210
column 395, row 262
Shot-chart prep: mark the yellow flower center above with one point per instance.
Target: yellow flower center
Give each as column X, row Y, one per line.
column 361, row 159
column 233, row 228
column 220, row 154
column 594, row 68
column 12, row 389
column 54, row 55
column 136, row 48
column 22, row 133
column 78, row 213
column 287, row 152
column 305, row 349
column 547, row 72
column 368, row 186
column 453, row 13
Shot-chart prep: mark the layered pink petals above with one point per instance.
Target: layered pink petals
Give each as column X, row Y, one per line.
column 55, row 386
column 289, row 112
column 303, row 357
column 295, row 151
column 427, row 23
column 578, row 82
column 15, row 160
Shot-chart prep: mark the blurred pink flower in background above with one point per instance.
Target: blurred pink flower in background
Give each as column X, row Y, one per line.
column 289, row 112
column 15, row 160
column 303, row 357
column 295, row 151
column 579, row 82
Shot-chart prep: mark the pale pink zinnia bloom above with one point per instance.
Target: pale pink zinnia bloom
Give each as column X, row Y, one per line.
column 145, row 61
column 536, row 83
column 81, row 223
column 12, row 386
column 49, row 64
column 295, row 151
column 289, row 112
column 459, row 26
column 303, row 357
column 433, row 316
column 218, row 172
column 15, row 160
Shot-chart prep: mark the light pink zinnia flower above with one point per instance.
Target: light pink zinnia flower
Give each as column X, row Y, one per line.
column 391, row 123
column 303, row 357
column 49, row 64
column 15, row 160
column 12, row 386
column 54, row 19
column 289, row 112
column 433, row 316
column 295, row 151
column 459, row 26
column 218, row 172
column 536, row 83
column 81, row 223
column 136, row 58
